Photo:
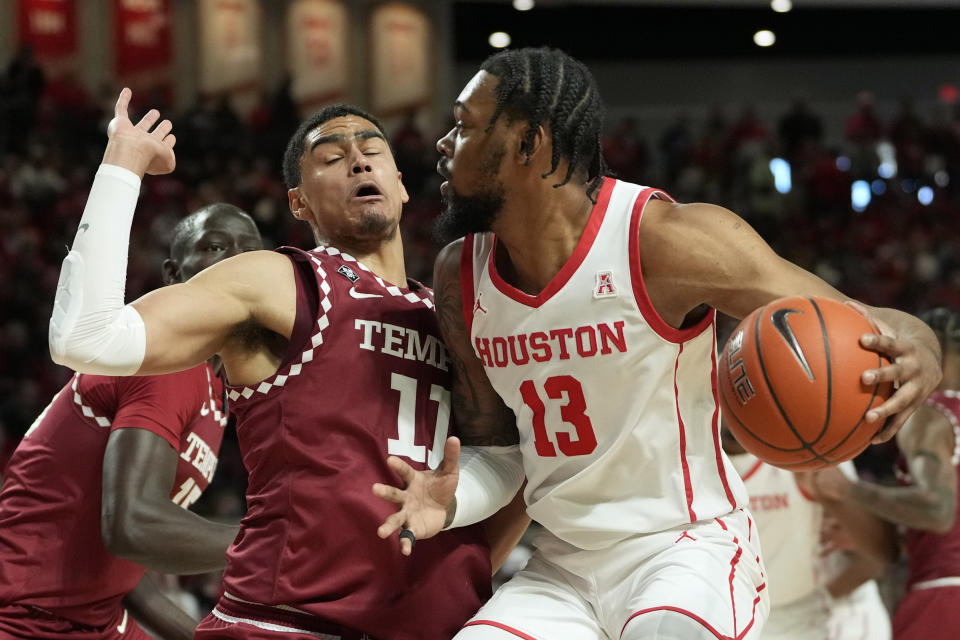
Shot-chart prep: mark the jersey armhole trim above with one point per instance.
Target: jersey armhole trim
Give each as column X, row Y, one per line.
column 658, row 324
column 466, row 282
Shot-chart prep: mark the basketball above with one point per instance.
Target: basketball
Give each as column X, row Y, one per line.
column 789, row 383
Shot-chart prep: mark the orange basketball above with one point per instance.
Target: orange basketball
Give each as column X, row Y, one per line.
column 790, row 388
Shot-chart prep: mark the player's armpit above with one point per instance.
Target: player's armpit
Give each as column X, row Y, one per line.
column 187, row 323
column 480, row 414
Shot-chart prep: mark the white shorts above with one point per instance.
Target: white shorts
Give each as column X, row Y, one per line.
column 861, row 615
column 710, row 573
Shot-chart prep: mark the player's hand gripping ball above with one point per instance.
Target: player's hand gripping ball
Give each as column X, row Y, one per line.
column 790, row 387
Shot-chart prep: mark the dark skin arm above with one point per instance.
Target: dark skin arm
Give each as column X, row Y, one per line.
column 148, row 604
column 702, row 254
column 140, row 523
column 858, row 570
column 930, row 503
column 482, row 418
column 505, row 528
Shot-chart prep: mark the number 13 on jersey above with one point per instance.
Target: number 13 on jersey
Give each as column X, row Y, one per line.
column 573, row 413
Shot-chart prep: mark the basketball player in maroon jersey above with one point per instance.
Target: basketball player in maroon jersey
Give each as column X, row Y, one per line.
column 524, row 161
column 98, row 489
column 334, row 359
column 925, row 503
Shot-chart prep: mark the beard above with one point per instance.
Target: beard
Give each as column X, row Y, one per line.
column 475, row 213
column 463, row 215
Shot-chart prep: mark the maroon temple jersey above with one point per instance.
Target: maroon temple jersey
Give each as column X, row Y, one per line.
column 366, row 377
column 52, row 555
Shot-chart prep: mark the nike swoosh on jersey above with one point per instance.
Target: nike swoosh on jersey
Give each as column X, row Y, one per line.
column 123, row 623
column 358, row 295
column 84, row 226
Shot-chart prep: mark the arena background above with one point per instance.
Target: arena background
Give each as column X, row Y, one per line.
column 840, row 142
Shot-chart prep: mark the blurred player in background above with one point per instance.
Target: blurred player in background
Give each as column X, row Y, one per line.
column 806, row 587
column 583, row 307
column 925, row 503
column 334, row 360
column 98, row 490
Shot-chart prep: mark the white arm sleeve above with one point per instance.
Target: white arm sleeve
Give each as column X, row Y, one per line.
column 489, row 478
column 90, row 328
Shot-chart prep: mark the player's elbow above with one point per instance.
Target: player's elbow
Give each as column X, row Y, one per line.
column 944, row 517
column 104, row 344
column 126, row 530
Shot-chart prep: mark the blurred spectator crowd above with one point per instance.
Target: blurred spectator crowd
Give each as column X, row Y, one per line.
column 900, row 249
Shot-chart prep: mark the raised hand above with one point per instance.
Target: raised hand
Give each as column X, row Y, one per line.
column 914, row 369
column 424, row 499
column 135, row 146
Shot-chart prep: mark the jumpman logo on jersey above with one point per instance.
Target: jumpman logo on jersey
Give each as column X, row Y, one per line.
column 684, row 535
column 477, row 306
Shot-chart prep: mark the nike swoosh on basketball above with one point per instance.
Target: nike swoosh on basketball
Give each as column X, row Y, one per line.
column 123, row 623
column 783, row 327
column 358, row 295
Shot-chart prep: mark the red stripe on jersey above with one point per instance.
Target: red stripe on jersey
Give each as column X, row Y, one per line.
column 687, row 486
column 721, row 468
column 572, row 263
column 658, row 324
column 500, row 625
column 466, row 282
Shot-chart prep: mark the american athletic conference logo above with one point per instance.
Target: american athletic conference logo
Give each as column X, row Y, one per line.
column 604, row 288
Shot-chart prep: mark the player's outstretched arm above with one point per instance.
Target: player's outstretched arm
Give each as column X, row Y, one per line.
column 698, row 254
column 92, row 331
column 488, row 474
column 139, row 521
column 930, row 501
column 152, row 608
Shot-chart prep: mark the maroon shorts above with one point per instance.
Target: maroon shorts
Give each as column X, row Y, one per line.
column 18, row 622
column 928, row 614
column 238, row 621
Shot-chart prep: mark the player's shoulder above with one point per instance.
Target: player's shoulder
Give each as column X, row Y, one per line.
column 446, row 266
column 174, row 386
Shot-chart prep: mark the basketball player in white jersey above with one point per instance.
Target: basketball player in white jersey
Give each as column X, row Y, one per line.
column 580, row 324
column 814, row 596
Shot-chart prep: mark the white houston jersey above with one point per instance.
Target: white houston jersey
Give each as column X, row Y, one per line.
column 617, row 411
column 789, row 524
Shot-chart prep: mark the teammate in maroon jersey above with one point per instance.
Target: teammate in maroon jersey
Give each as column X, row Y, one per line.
column 524, row 173
column 926, row 502
column 100, row 485
column 334, row 359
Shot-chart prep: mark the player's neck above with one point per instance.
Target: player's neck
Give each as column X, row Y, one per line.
column 384, row 259
column 538, row 232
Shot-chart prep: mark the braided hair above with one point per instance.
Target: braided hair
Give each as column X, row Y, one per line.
column 945, row 324
column 547, row 87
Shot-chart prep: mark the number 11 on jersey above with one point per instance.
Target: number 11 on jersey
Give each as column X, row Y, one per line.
column 404, row 445
column 573, row 412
